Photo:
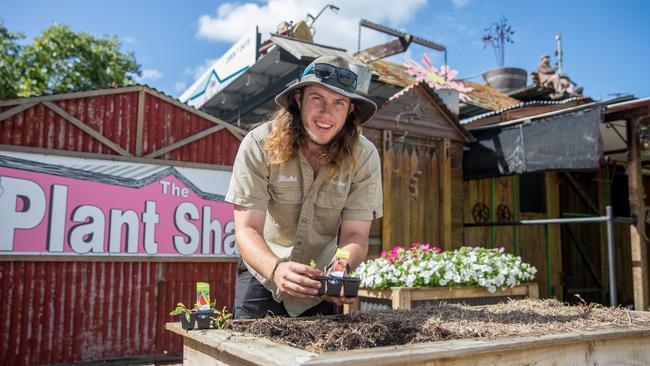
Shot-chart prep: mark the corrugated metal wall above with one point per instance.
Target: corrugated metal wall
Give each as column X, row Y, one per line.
column 58, row 312
column 115, row 117
column 68, row 311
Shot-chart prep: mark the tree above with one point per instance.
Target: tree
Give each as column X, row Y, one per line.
column 61, row 60
column 9, row 52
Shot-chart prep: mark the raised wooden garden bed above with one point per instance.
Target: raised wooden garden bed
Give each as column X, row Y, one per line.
column 516, row 333
column 412, row 298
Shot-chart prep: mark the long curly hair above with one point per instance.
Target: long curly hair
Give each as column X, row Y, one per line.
column 288, row 134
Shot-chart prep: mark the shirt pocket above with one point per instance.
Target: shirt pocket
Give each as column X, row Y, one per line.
column 327, row 213
column 286, row 195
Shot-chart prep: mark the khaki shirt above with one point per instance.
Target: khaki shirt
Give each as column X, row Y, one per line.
column 303, row 213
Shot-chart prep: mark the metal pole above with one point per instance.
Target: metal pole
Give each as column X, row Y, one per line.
column 558, row 39
column 610, row 256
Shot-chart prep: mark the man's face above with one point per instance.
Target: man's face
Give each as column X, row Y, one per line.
column 546, row 60
column 323, row 112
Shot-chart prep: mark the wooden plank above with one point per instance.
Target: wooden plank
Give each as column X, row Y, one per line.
column 387, row 177
column 637, row 208
column 600, row 347
column 240, row 348
column 444, row 159
column 87, row 129
column 552, row 184
column 533, row 248
column 435, row 293
column 377, row 294
column 130, row 159
column 139, row 127
column 401, row 297
column 185, row 141
column 15, row 110
column 581, row 193
column 603, row 201
column 504, row 203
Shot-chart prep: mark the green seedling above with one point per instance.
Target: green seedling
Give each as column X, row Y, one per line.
column 220, row 320
column 181, row 309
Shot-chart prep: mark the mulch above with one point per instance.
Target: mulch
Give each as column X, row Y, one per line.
column 528, row 317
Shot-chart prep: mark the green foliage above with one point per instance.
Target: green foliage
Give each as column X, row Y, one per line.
column 221, row 317
column 10, row 50
column 61, row 60
column 181, row 309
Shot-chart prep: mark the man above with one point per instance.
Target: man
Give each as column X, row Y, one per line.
column 560, row 83
column 298, row 181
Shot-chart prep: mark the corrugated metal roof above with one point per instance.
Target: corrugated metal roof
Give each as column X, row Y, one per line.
column 482, row 95
column 303, row 49
column 519, row 105
column 486, row 97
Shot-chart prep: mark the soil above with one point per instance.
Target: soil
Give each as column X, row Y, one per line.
column 442, row 322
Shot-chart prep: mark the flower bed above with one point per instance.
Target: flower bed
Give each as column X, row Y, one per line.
column 424, row 275
column 423, row 265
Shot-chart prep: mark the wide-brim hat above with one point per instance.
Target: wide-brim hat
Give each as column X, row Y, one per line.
column 365, row 107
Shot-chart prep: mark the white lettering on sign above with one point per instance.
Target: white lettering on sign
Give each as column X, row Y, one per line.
column 22, row 206
column 173, row 189
column 58, row 226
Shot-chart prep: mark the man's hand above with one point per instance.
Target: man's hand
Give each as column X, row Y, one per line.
column 294, row 279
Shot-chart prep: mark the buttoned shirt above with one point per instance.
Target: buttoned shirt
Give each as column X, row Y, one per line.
column 303, row 210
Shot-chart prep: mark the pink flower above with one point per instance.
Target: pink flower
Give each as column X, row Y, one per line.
column 437, row 249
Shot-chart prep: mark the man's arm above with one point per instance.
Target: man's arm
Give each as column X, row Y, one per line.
column 291, row 278
column 354, row 239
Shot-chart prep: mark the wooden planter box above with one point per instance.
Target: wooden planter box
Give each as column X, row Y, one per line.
column 411, row 298
column 615, row 346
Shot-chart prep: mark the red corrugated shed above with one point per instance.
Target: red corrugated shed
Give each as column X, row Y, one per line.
column 130, row 123
column 77, row 309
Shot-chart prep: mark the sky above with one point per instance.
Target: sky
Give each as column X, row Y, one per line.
column 606, row 44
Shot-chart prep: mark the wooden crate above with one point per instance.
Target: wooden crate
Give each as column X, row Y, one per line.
column 410, row 298
column 613, row 346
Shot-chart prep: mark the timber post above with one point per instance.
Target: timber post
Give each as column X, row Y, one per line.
column 638, row 239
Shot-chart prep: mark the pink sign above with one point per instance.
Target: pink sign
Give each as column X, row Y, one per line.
column 48, row 210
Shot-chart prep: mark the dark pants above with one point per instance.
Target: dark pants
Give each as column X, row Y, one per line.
column 252, row 300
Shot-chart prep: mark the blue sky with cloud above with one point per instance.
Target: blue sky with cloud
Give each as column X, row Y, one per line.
column 605, row 42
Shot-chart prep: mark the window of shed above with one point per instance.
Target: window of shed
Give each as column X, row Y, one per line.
column 531, row 193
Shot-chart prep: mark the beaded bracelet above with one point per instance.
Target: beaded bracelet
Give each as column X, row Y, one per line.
column 277, row 263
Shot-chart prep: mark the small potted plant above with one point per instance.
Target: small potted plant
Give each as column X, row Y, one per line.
column 321, row 279
column 338, row 277
column 502, row 78
column 188, row 318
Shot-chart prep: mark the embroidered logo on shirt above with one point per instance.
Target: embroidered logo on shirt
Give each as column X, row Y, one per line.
column 287, row 178
column 338, row 183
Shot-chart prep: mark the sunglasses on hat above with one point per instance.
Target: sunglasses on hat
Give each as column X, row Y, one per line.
column 326, row 71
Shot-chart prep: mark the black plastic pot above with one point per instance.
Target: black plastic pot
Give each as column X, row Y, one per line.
column 188, row 324
column 323, row 285
column 351, row 286
column 203, row 318
column 334, row 285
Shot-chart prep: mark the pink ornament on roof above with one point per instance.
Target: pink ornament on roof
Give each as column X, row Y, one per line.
column 437, row 79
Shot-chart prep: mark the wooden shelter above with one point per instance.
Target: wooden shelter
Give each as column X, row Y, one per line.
column 421, row 147
column 571, row 259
